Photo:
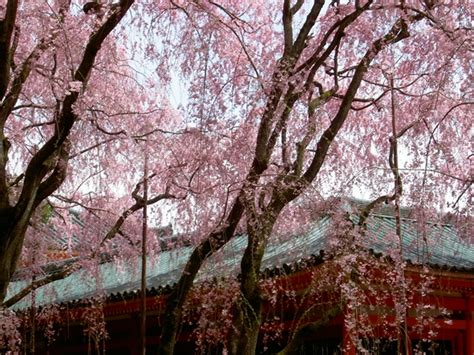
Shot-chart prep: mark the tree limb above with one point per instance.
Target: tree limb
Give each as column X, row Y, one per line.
column 287, row 28
column 52, row 183
column 7, row 25
column 12, row 97
column 398, row 32
column 313, row 15
column 59, row 275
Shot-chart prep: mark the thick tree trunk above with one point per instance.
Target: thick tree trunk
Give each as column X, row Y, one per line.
column 248, row 310
column 12, row 235
column 248, row 319
column 175, row 301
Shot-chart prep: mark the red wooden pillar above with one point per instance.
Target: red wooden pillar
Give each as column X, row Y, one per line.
column 470, row 325
column 134, row 335
column 458, row 344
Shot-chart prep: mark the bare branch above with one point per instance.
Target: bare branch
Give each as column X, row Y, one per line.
column 85, row 150
column 17, row 180
column 140, row 203
column 39, row 124
column 296, row 7
column 398, row 32
column 313, row 15
column 468, row 186
column 33, row 106
column 229, row 13
column 7, row 26
column 73, row 202
column 315, row 60
column 287, row 28
column 22, row 75
column 59, row 275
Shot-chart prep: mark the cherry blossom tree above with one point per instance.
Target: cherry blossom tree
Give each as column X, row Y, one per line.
column 48, row 54
column 71, row 99
column 343, row 79
column 286, row 103
column 76, row 114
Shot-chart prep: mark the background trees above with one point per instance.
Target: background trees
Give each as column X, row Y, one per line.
column 286, row 104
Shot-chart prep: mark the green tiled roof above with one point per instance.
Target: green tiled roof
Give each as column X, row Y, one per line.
column 441, row 246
